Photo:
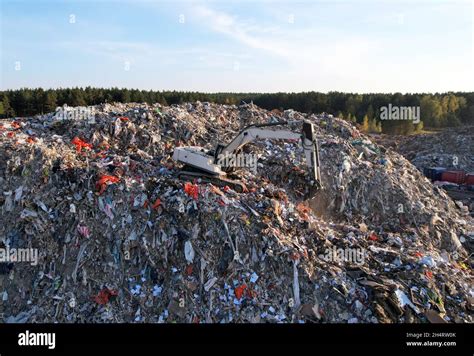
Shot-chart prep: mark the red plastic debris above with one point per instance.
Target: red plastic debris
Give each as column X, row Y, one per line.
column 373, row 237
column 104, row 296
column 11, row 134
column 429, row 274
column 16, row 125
column 124, row 118
column 192, row 190
column 80, row 144
column 239, row 291
column 156, row 204
column 103, row 180
column 189, row 270
column 418, row 254
column 31, row 139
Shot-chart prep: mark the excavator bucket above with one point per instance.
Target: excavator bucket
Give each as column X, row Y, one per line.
column 311, row 149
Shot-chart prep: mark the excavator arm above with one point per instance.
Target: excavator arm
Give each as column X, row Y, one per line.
column 267, row 131
column 205, row 164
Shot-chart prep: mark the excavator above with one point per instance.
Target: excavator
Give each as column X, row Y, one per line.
column 205, row 165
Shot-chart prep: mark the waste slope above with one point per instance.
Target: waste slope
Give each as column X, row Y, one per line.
column 121, row 239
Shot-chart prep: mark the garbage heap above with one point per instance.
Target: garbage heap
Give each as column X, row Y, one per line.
column 120, row 239
column 452, row 148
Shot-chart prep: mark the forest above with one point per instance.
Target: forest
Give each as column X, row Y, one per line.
column 439, row 110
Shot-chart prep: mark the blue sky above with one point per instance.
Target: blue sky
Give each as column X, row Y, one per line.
column 239, row 46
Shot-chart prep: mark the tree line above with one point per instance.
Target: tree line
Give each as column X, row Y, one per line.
column 437, row 110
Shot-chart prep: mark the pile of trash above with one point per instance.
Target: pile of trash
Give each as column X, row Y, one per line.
column 119, row 238
column 451, row 148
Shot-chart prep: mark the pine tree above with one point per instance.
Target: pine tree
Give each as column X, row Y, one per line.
column 370, row 112
column 125, row 96
column 77, row 98
column 365, row 124
column 379, row 127
column 50, row 101
column 7, row 109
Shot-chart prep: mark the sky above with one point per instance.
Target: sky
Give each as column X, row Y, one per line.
column 239, row 46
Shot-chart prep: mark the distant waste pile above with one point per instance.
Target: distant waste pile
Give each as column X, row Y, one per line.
column 451, row 148
column 120, row 239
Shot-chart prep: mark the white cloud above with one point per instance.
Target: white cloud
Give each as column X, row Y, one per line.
column 225, row 24
column 314, row 56
column 305, row 50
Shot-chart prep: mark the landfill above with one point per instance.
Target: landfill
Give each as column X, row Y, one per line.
column 450, row 151
column 121, row 239
column 451, row 148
